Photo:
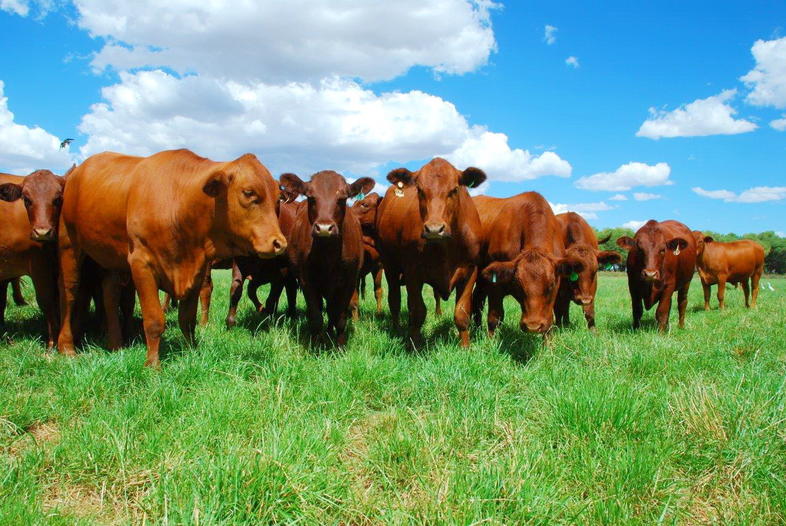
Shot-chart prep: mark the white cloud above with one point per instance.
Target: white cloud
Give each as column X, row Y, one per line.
column 572, row 62
column 296, row 40
column 757, row 194
column 24, row 148
column 22, row 7
column 768, row 78
column 586, row 210
column 710, row 116
column 780, row 234
column 550, row 34
column 779, row 124
column 480, row 190
column 626, row 177
column 644, row 196
column 633, row 224
column 618, row 197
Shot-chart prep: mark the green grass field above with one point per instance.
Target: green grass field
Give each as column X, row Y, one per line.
column 254, row 427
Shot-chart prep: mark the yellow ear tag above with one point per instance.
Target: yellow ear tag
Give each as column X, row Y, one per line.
column 677, row 251
column 399, row 189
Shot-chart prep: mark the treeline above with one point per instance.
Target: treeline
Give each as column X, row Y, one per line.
column 774, row 245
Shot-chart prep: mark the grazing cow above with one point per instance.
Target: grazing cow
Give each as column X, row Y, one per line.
column 581, row 243
column 429, row 232
column 734, row 262
column 661, row 260
column 30, row 208
column 523, row 255
column 366, row 211
column 162, row 218
column 279, row 272
column 327, row 247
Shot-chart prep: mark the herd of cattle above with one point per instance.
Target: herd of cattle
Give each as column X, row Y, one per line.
column 119, row 226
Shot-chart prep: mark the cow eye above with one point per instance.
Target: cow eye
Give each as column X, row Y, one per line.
column 248, row 193
column 453, row 192
column 58, row 201
column 27, row 201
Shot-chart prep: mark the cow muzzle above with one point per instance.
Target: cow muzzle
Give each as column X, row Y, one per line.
column 276, row 248
column 324, row 230
column 537, row 327
column 42, row 234
column 649, row 275
column 435, row 231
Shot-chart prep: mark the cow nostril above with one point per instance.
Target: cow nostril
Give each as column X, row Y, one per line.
column 276, row 245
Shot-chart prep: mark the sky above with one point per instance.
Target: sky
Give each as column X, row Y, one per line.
column 623, row 113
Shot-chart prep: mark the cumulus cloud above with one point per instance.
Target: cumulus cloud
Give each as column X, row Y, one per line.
column 710, row 116
column 767, row 79
column 779, row 124
column 757, row 194
column 24, row 148
column 24, row 7
column 586, row 210
column 633, row 224
column 550, row 34
column 618, row 197
column 572, row 62
column 626, row 177
column 297, row 40
column 644, row 196
column 480, row 190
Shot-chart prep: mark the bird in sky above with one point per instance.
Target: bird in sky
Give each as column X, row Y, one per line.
column 66, row 142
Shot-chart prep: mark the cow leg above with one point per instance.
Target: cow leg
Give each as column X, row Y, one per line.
column 755, row 277
column 663, row 310
column 417, row 309
column 437, row 304
column 353, row 305
column 251, row 292
column 589, row 314
column 187, row 313
column 16, row 287
column 562, row 307
column 496, row 311
column 707, row 293
column 152, row 314
column 205, row 294
column 362, row 284
column 127, row 301
column 463, row 310
column 478, row 300
column 682, row 303
column 168, row 303
column 110, row 290
column 721, row 292
column 314, row 313
column 337, row 314
column 45, row 284
column 290, row 284
column 271, row 303
column 3, row 303
column 637, row 304
column 394, row 295
column 377, row 274
column 69, row 260
column 746, row 291
column 235, row 293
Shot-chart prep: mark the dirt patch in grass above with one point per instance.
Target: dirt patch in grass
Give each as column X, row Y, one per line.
column 37, row 434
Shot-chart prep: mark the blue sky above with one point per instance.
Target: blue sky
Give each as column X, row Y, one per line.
column 365, row 86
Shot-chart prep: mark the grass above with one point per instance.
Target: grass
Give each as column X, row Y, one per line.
column 252, row 426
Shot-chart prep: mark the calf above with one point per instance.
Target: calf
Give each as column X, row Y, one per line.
column 661, row 260
column 327, row 247
column 582, row 244
column 429, row 232
column 366, row 211
column 523, row 253
column 734, row 262
column 30, row 208
column 162, row 218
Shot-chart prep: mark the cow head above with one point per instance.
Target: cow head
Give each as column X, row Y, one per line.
column 326, row 194
column 42, row 194
column 653, row 245
column 533, row 278
column 583, row 284
column 246, row 196
column 701, row 241
column 366, row 212
column 440, row 186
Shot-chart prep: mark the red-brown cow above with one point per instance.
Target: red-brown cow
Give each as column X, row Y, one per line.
column 523, row 256
column 366, row 212
column 30, row 208
column 429, row 232
column 581, row 243
column 734, row 262
column 327, row 247
column 661, row 260
column 162, row 218
column 279, row 272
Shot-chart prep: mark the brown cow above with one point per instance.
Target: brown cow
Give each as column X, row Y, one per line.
column 524, row 256
column 581, row 243
column 30, row 208
column 661, row 260
column 279, row 272
column 429, row 232
column 162, row 218
column 327, row 247
column 734, row 262
column 366, row 211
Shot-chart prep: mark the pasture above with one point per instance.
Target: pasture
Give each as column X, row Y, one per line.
column 253, row 426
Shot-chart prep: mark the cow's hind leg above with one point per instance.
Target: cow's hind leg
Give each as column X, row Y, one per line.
column 417, row 310
column 463, row 311
column 377, row 274
column 187, row 314
column 394, row 294
column 152, row 314
column 110, row 290
column 290, row 284
column 707, row 294
column 721, row 292
column 682, row 303
column 205, row 294
column 663, row 310
column 755, row 277
column 496, row 311
column 437, row 304
column 235, row 293
column 3, row 303
column 746, row 291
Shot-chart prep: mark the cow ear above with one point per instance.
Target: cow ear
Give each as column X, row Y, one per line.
column 500, row 272
column 291, row 184
column 708, row 239
column 626, row 243
column 401, row 175
column 215, row 183
column 472, row 177
column 609, row 257
column 10, row 192
column 569, row 265
column 73, row 167
column 677, row 243
column 362, row 186
column 62, row 181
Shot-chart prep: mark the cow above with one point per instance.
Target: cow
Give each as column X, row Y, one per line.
column 279, row 272
column 661, row 260
column 366, row 211
column 30, row 207
column 523, row 254
column 327, row 247
column 429, row 232
column 163, row 219
column 734, row 262
column 581, row 243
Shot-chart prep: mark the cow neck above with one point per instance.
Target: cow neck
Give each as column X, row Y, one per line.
column 195, row 220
